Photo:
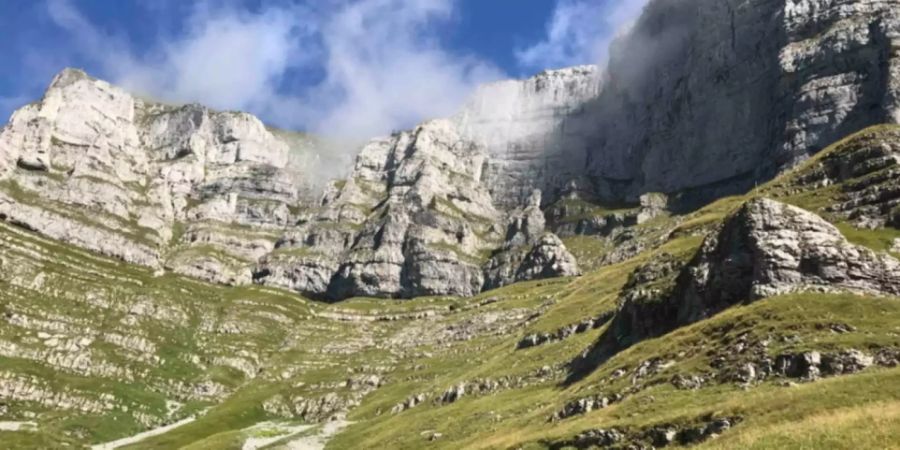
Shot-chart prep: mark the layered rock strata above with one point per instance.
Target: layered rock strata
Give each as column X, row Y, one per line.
column 413, row 219
column 765, row 249
column 184, row 187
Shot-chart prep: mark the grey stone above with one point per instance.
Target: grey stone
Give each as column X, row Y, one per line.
column 769, row 248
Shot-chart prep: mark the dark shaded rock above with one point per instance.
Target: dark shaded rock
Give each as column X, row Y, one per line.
column 688, row 382
column 536, row 339
column 583, row 406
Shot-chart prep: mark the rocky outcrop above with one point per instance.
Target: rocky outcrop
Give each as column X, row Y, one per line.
column 415, row 219
column 426, row 235
column 152, row 184
column 865, row 168
column 583, row 406
column 536, row 339
column 765, row 249
column 549, row 258
column 528, row 252
column 220, row 197
column 658, row 436
column 769, row 248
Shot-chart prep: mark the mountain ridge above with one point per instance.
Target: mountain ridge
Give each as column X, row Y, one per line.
column 213, row 182
column 698, row 246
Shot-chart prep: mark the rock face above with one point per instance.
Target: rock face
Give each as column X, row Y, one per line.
column 195, row 190
column 549, row 258
column 700, row 99
column 769, row 248
column 866, row 166
column 765, row 249
column 527, row 253
column 212, row 194
column 413, row 219
column 704, row 97
column 536, row 131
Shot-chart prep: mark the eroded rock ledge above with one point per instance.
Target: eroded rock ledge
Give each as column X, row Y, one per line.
column 221, row 197
column 766, row 248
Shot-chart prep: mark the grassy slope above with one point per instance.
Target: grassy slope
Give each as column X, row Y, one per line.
column 524, row 413
column 858, row 411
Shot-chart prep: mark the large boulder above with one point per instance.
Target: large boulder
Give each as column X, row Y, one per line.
column 549, row 258
column 766, row 248
column 769, row 248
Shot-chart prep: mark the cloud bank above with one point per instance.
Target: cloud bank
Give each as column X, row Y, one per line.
column 347, row 68
column 378, row 64
column 580, row 32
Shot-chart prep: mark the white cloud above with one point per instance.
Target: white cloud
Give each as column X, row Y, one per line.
column 580, row 32
column 228, row 59
column 382, row 64
column 386, row 70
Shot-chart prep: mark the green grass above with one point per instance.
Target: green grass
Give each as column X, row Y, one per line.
column 580, row 209
column 465, row 424
column 880, row 240
column 422, row 346
column 127, row 227
column 588, row 250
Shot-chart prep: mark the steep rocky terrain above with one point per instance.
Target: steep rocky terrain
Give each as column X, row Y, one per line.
column 700, row 99
column 541, row 271
column 220, row 197
column 413, row 219
column 94, row 350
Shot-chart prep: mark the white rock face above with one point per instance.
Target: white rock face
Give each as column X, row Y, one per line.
column 769, row 248
column 415, row 218
column 92, row 165
column 700, row 99
column 535, row 130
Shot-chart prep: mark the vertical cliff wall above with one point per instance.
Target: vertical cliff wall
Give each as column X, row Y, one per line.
column 710, row 97
column 700, row 98
column 537, row 131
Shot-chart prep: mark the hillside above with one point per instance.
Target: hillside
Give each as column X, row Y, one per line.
column 697, row 245
column 95, row 350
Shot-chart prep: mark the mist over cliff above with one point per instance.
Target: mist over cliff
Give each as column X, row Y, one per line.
column 703, row 99
column 698, row 100
column 692, row 242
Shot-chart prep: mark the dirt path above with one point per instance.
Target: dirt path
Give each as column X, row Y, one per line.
column 17, row 426
column 317, row 441
column 141, row 436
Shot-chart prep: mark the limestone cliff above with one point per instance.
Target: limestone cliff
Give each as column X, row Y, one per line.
column 221, row 197
column 185, row 187
column 537, row 131
column 699, row 99
column 415, row 218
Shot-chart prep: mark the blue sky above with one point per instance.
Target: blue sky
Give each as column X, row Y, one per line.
column 348, row 67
